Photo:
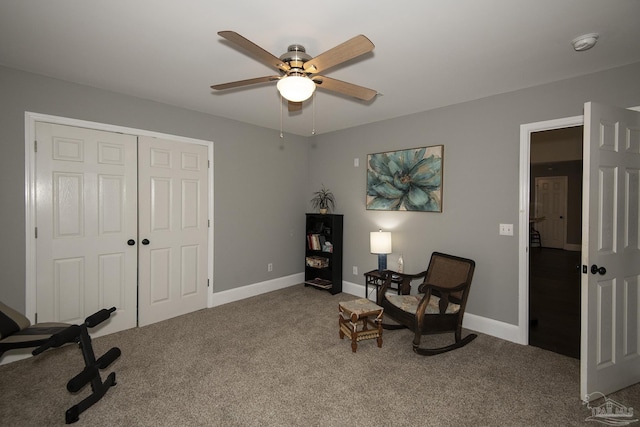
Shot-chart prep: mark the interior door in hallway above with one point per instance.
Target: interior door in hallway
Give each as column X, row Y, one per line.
column 86, row 196
column 610, row 339
column 551, row 204
column 173, row 204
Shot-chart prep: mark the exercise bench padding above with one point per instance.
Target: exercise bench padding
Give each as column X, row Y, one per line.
column 16, row 332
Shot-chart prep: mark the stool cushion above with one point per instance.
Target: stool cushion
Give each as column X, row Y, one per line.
column 360, row 307
column 409, row 303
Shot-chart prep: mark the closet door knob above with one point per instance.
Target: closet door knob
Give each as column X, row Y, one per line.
column 131, row 242
column 598, row 270
column 145, row 242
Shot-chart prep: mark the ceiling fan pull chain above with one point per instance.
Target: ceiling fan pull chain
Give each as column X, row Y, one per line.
column 313, row 114
column 281, row 134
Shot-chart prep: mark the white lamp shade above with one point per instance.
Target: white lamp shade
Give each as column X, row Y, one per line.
column 296, row 88
column 380, row 242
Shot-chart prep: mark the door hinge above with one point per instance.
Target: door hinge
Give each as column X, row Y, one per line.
column 208, row 164
column 36, row 321
column 36, row 232
column 208, row 284
column 35, row 146
column 208, row 223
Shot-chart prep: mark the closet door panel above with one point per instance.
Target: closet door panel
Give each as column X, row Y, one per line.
column 173, row 219
column 86, row 197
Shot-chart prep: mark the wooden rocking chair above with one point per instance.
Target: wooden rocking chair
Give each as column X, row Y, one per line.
column 439, row 305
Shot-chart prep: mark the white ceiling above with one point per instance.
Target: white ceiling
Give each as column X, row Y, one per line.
column 428, row 54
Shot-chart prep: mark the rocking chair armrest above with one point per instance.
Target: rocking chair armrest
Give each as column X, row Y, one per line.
column 427, row 287
column 388, row 276
column 441, row 292
column 421, row 309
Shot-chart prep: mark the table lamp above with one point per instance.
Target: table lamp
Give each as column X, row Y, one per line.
column 380, row 243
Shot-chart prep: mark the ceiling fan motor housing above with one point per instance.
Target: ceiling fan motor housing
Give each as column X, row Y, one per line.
column 296, row 56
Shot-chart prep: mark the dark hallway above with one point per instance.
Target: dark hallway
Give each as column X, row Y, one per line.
column 554, row 300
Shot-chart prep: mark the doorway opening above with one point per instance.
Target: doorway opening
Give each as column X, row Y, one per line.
column 555, row 207
column 526, row 205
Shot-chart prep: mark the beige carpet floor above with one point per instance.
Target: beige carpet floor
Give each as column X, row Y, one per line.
column 277, row 360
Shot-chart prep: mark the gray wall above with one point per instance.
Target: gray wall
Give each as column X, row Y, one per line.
column 262, row 185
column 481, row 180
column 260, row 180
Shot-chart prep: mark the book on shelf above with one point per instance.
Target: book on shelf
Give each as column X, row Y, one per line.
column 314, row 241
column 320, row 283
column 319, row 242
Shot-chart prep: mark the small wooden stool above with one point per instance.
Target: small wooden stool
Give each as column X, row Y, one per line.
column 356, row 313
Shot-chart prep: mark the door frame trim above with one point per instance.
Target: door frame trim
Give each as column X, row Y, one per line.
column 523, row 227
column 30, row 119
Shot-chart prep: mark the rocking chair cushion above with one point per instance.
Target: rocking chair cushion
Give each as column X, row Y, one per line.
column 409, row 303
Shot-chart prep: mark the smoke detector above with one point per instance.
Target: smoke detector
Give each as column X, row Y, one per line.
column 585, row 42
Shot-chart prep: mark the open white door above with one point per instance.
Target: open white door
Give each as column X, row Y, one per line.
column 610, row 344
column 173, row 229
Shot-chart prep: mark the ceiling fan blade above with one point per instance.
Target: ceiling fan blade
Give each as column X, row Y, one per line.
column 255, row 50
column 350, row 49
column 345, row 88
column 295, row 106
column 247, row 82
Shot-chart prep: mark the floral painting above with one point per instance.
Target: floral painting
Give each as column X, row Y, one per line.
column 405, row 180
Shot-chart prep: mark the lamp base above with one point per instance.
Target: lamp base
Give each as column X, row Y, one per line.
column 382, row 262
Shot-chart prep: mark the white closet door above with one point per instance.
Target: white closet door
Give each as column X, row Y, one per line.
column 173, row 203
column 86, row 196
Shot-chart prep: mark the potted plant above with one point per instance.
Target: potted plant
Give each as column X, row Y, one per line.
column 323, row 200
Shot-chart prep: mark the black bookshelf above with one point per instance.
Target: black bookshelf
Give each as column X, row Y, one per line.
column 323, row 252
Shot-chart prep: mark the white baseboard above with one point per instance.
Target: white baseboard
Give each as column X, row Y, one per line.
column 484, row 325
column 355, row 289
column 572, row 247
column 15, row 355
column 495, row 328
column 237, row 294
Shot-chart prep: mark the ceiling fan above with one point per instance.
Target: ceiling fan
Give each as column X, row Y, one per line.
column 298, row 76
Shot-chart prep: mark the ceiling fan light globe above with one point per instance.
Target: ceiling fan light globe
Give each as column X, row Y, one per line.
column 296, row 88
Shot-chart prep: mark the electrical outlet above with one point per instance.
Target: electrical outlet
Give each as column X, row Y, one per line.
column 506, row 229
column 270, row 267
column 356, row 162
column 355, row 270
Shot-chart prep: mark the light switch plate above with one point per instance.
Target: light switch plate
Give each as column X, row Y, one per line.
column 506, row 229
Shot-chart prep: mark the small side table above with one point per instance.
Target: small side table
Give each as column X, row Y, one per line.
column 354, row 321
column 375, row 279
